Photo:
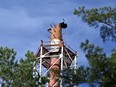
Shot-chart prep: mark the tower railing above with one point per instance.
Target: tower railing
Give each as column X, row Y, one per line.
column 55, row 55
column 66, row 56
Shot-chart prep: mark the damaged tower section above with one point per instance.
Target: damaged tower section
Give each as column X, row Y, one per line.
column 55, row 56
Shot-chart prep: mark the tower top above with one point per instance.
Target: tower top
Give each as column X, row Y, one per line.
column 56, row 31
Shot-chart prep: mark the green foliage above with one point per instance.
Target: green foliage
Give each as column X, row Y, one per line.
column 23, row 75
column 104, row 17
column 8, row 66
column 14, row 74
column 102, row 69
column 70, row 78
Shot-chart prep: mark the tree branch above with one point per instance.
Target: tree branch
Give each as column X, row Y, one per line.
column 108, row 24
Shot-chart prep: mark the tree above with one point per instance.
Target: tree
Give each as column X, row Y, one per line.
column 104, row 17
column 70, row 78
column 14, row 74
column 24, row 73
column 102, row 69
column 8, row 66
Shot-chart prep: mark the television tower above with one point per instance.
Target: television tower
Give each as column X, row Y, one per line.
column 55, row 56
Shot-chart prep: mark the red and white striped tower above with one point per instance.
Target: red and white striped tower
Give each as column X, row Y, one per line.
column 57, row 42
column 55, row 56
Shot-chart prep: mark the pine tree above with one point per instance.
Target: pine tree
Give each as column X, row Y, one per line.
column 104, row 17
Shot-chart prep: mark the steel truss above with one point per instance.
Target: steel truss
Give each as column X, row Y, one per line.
column 65, row 55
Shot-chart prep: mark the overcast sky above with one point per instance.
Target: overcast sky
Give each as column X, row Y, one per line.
column 23, row 23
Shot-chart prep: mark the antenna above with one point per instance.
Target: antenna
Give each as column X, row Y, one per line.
column 63, row 19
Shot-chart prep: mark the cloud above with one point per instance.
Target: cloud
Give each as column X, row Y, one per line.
column 18, row 29
column 23, row 23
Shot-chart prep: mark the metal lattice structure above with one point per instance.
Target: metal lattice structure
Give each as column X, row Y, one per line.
column 55, row 55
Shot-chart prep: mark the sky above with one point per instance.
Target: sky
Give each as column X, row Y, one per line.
column 23, row 23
